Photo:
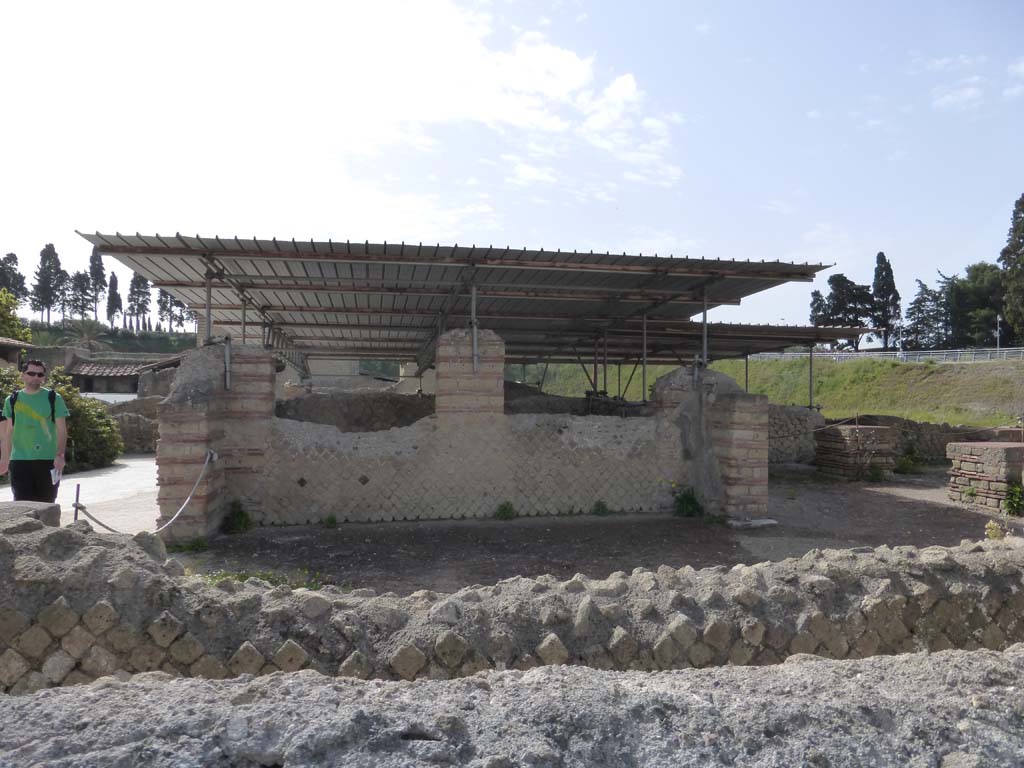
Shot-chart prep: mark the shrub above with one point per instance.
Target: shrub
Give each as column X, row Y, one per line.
column 904, row 466
column 331, row 521
column 875, row 474
column 505, row 511
column 994, row 530
column 198, row 544
column 237, row 519
column 600, row 508
column 970, row 492
column 1014, row 503
column 686, row 503
column 94, row 440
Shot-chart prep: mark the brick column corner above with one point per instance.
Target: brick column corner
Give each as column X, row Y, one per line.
column 460, row 389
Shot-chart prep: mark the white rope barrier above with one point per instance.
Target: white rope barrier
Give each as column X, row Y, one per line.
column 209, row 456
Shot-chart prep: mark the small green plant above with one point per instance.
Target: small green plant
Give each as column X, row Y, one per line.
column 1013, row 504
column 331, row 521
column 600, row 508
column 237, row 520
column 791, row 494
column 904, row 466
column 875, row 474
column 198, row 544
column 994, row 530
column 686, row 503
column 970, row 492
column 505, row 511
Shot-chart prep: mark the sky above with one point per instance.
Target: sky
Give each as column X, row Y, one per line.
column 794, row 131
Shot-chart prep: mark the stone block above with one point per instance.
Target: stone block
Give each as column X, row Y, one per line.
column 12, row 623
column 290, row 657
column 99, row 662
column 551, row 650
column 247, row 660
column 147, row 658
column 122, row 638
column 186, row 649
column 165, row 629
column 58, row 618
column 622, row 646
column 77, row 642
column 101, row 617
column 12, row 666
column 208, row 667
column 44, row 512
column 683, row 631
column 450, row 648
column 356, row 665
column 407, row 660
column 57, row 666
column 33, row 642
column 30, row 683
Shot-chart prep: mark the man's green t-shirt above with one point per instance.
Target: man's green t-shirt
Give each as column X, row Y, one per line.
column 35, row 436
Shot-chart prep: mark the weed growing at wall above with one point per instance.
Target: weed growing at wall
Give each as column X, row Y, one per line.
column 1014, row 503
column 237, row 519
column 994, row 530
column 331, row 521
column 904, row 466
column 600, row 508
column 302, row 579
column 198, row 544
column 505, row 511
column 970, row 492
column 685, row 502
column 875, row 474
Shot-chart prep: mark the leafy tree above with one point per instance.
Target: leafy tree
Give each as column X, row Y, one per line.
column 974, row 301
column 46, row 289
column 90, row 334
column 97, row 280
column 63, row 284
column 885, row 311
column 926, row 320
column 11, row 279
column 1012, row 260
column 114, row 306
column 94, row 439
column 138, row 299
column 80, row 295
column 847, row 305
column 11, row 326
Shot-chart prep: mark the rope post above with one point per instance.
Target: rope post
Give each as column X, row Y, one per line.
column 78, row 490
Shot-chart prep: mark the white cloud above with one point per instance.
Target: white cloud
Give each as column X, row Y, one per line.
column 703, row 29
column 965, row 94
column 813, row 114
column 1016, row 69
column 1013, row 92
column 959, row 63
column 779, row 206
column 525, row 175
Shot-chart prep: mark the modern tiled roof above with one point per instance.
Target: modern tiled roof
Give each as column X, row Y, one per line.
column 5, row 342
column 100, row 368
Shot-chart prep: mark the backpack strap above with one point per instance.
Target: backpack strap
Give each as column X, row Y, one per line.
column 52, row 397
column 14, row 400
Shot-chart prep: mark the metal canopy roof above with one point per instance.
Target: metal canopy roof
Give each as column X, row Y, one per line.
column 388, row 300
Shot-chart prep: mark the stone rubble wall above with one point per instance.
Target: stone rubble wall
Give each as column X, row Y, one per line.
column 848, row 452
column 926, row 442
column 80, row 605
column 791, row 433
column 138, row 433
column 982, row 474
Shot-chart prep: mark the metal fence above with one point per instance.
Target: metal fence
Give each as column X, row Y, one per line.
column 921, row 356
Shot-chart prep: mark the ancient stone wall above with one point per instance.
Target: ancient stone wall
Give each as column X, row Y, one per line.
column 791, row 433
column 78, row 605
column 850, row 452
column 926, row 442
column 360, row 410
column 156, row 383
column 138, row 433
column 984, row 474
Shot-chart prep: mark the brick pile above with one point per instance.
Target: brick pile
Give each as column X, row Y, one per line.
column 848, row 452
column 982, row 473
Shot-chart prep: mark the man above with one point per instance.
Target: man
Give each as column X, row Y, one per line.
column 33, row 434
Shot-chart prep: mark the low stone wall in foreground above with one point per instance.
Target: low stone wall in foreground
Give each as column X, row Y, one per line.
column 79, row 605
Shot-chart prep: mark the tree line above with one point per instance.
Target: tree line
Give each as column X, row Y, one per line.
column 982, row 308
column 80, row 293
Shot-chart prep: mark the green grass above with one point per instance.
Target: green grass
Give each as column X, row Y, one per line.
column 299, row 579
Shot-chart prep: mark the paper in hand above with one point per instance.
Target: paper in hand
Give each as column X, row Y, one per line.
column 54, row 476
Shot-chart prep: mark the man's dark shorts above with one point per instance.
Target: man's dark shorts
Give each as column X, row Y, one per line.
column 30, row 480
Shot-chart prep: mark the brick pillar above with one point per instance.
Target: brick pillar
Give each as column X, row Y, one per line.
column 460, row 390
column 190, row 426
column 982, row 473
column 248, row 413
column 849, row 452
column 739, row 441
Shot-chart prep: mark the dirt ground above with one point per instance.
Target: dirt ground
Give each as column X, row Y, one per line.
column 447, row 555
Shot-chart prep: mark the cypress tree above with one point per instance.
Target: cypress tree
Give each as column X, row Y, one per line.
column 885, row 299
column 97, row 280
column 1011, row 258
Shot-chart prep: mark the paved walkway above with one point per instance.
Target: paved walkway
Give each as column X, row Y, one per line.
column 123, row 495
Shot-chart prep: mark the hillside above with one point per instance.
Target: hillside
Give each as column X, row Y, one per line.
column 984, row 394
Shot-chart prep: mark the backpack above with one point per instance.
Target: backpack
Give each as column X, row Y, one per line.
column 52, row 397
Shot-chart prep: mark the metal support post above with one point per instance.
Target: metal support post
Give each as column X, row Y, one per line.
column 595, row 365
column 643, row 375
column 472, row 323
column 209, row 310
column 810, row 376
column 704, row 331
column 746, row 372
column 606, row 362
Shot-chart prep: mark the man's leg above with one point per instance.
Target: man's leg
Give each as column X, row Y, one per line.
column 22, row 480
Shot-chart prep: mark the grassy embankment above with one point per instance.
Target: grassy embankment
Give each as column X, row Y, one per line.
column 982, row 394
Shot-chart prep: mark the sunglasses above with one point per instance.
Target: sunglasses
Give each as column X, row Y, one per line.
column 37, row 374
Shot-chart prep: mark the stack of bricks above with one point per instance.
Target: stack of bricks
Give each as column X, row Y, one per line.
column 194, row 420
column 982, row 473
column 848, row 452
column 460, row 388
column 739, row 440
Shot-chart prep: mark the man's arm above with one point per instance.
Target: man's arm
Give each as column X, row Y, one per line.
column 62, row 441
column 5, row 445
